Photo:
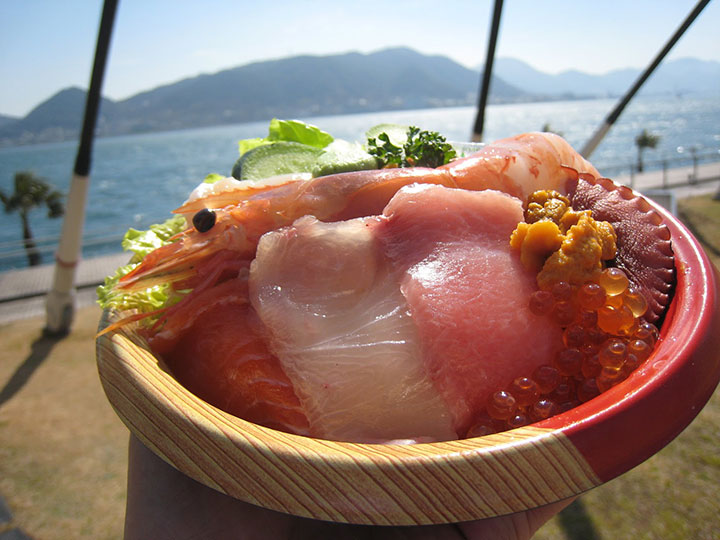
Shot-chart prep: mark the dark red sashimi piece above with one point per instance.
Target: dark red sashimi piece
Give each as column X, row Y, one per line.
column 223, row 359
column 644, row 244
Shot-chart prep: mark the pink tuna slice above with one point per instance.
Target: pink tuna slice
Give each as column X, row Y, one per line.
column 401, row 326
column 467, row 292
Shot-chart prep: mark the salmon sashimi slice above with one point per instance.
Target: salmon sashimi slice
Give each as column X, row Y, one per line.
column 223, row 359
column 467, row 292
column 339, row 324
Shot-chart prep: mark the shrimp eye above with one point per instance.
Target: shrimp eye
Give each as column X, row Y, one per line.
column 204, row 220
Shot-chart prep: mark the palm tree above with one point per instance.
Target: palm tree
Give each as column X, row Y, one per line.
column 643, row 141
column 31, row 191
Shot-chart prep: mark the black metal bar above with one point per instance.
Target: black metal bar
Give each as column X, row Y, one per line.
column 487, row 72
column 615, row 113
column 669, row 45
column 92, row 102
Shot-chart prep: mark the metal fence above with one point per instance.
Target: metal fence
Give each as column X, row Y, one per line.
column 13, row 254
column 689, row 158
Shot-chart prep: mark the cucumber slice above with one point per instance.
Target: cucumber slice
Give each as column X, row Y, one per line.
column 343, row 156
column 282, row 157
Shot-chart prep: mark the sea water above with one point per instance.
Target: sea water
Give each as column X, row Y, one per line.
column 137, row 180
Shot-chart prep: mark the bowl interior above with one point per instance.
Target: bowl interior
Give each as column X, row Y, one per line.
column 435, row 482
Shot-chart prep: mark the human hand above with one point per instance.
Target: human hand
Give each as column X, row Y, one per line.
column 163, row 503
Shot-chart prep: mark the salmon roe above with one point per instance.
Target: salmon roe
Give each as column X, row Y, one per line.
column 605, row 338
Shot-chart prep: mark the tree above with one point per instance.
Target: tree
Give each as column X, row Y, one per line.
column 31, row 191
column 643, row 141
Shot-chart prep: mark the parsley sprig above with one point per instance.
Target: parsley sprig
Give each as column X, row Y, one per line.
column 422, row 149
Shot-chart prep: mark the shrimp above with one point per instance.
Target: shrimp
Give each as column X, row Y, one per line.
column 518, row 166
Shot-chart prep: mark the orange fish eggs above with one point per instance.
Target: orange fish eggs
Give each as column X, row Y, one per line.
column 591, row 296
column 525, row 391
column 502, row 405
column 614, row 281
column 635, row 301
column 541, row 302
column 547, row 379
column 604, row 340
column 612, row 354
column 542, row 409
column 615, row 319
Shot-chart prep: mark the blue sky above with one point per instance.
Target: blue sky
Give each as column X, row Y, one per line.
column 47, row 45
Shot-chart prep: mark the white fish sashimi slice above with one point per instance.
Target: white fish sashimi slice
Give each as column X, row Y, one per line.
column 339, row 324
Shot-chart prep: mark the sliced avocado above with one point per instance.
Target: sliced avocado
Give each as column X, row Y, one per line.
column 282, row 157
column 343, row 156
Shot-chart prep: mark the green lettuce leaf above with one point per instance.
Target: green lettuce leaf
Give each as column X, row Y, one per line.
column 296, row 131
column 246, row 145
column 149, row 299
column 289, row 130
column 140, row 243
column 143, row 242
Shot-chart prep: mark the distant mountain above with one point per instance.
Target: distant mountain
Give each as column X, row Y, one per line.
column 682, row 76
column 391, row 79
column 304, row 86
column 56, row 119
column 309, row 85
column 5, row 120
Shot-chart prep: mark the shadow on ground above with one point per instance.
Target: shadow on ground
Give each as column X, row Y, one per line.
column 576, row 522
column 39, row 352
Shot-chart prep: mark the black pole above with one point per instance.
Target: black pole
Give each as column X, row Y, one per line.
column 614, row 115
column 487, row 72
column 92, row 102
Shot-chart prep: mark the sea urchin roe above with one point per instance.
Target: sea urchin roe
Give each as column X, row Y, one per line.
column 585, row 245
column 536, row 242
column 546, row 205
column 562, row 245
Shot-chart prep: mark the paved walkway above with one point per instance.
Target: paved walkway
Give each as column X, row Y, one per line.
column 683, row 181
column 22, row 292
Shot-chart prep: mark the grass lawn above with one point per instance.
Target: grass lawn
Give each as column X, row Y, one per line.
column 702, row 216
column 63, row 450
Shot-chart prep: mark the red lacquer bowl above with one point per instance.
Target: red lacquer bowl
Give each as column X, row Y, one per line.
column 438, row 482
column 666, row 392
